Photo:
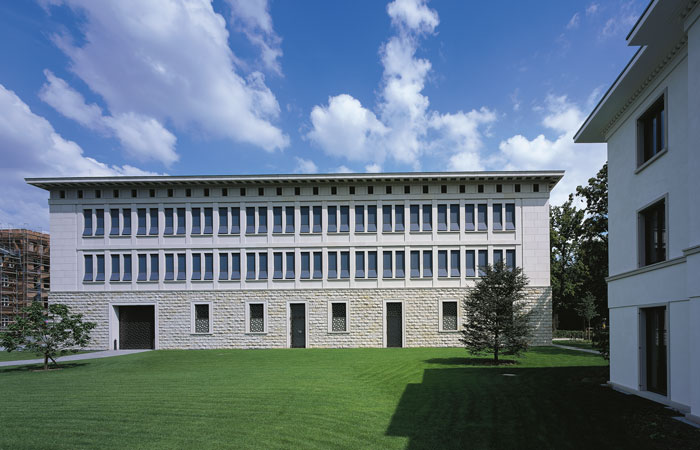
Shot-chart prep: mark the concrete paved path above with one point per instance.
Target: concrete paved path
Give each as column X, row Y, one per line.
column 76, row 357
column 595, row 352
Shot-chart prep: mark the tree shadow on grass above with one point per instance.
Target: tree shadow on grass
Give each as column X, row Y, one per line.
column 472, row 362
column 37, row 367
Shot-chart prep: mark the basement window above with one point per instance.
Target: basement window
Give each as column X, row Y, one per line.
column 256, row 322
column 201, row 318
column 338, row 317
column 448, row 315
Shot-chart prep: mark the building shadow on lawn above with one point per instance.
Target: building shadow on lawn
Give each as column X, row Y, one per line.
column 37, row 367
column 561, row 407
column 471, row 362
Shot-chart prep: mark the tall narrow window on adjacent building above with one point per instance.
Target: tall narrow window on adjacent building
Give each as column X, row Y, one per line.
column 442, row 263
column 510, row 259
column 181, row 220
column 427, row 263
column 359, row 218
column 169, row 267
column 235, row 266
column 289, row 274
column 318, row 265
column 250, row 266
column 223, row 265
column 208, row 266
column 449, row 316
column 469, row 217
column 442, row 217
column 99, row 222
column 235, row 220
column 277, row 273
column 305, row 220
column 262, row 219
column 483, row 262
column 277, row 219
column 126, row 275
column 371, row 264
column 208, row 220
column 169, row 221
column 427, row 217
column 305, row 266
column 262, row 266
column 115, row 268
column 387, row 270
column 154, row 268
column 339, row 320
column 202, row 318
column 344, row 264
column 483, row 221
column 497, row 219
column 114, row 219
column 359, row 264
column 317, row 225
column 399, row 218
column 415, row 217
column 142, row 276
column 652, row 234
column 332, row 265
column 651, row 134
column 510, row 216
column 372, row 218
column 223, row 220
column 332, row 219
column 126, row 218
column 470, row 263
column 454, row 217
column 196, row 266
column 181, row 267
column 153, row 230
column 344, row 219
column 454, row 263
column 250, row 220
column 386, row 218
column 88, row 275
column 497, row 257
column 400, row 257
column 289, row 218
column 100, row 274
column 196, row 221
column 415, row 264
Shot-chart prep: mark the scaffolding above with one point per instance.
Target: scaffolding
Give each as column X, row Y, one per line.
column 24, row 271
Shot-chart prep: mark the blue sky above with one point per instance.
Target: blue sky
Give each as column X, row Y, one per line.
column 255, row 86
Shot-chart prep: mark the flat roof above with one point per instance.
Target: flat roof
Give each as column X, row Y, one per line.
column 551, row 176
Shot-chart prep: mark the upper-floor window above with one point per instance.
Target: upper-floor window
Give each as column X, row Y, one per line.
column 652, row 234
column 141, row 213
column 651, row 132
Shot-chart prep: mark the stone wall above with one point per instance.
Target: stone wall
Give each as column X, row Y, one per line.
column 365, row 316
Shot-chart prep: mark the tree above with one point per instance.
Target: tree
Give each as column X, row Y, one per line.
column 565, row 237
column 496, row 311
column 587, row 310
column 48, row 332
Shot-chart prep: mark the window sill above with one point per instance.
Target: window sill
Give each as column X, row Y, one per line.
column 229, row 234
column 201, row 234
column 146, row 282
column 174, row 281
column 504, row 231
column 341, row 333
column 93, row 282
column 421, row 231
column 256, row 333
column 650, row 161
column 448, row 331
column 201, row 334
column 202, row 281
column 120, row 282
column 94, row 236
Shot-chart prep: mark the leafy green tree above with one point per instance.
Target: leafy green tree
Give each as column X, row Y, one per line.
column 48, row 332
column 587, row 310
column 565, row 237
column 498, row 320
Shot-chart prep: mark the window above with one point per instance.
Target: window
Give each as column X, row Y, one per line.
column 250, row 266
column 443, row 189
column 208, row 266
column 352, row 190
column 223, row 266
column 427, row 217
column 154, row 221
column 398, row 216
column 483, row 221
column 407, row 189
column 114, row 219
column 151, row 192
column 169, row 221
column 332, row 219
column 201, row 318
column 304, row 226
column 517, row 187
column 334, row 190
column 181, row 267
column 289, row 217
column 188, row 192
column 208, row 220
column 470, row 263
column 510, row 259
column 651, row 132
column 134, row 193
column 80, row 193
column 483, row 262
column 449, row 316
column 370, row 190
column 235, row 266
column 115, row 268
column 318, row 265
column 297, row 191
column 652, row 234
column 277, row 266
column 387, row 271
column 224, row 192
column 499, row 188
column 415, row 264
column 196, row 221
column 262, row 266
column 126, row 276
column 371, row 264
column 497, row 256
column 223, row 221
column 235, row 220
column 359, row 264
column 339, row 317
column 99, row 222
column 171, row 192
column 250, row 220
column 442, row 263
column 87, row 222
column 100, row 274
column 497, row 219
column 289, row 274
column 386, row 218
column 510, row 216
column 372, row 218
column 242, row 192
column 196, row 266
column 344, row 219
column 315, row 190
column 256, row 318
column 469, row 217
column 142, row 268
column 442, row 217
column 388, row 189
column 98, row 193
column 535, row 187
column 154, row 268
column 400, row 257
column 426, row 189
column 62, row 194
column 462, row 189
column 317, row 219
column 480, row 188
column 344, row 264
column 427, row 263
column 332, row 265
column 454, row 263
column 88, row 276
column 454, row 217
column 261, row 191
column 126, row 228
column 414, row 217
column 277, row 219
column 359, row 218
column 305, row 265
column 169, row 267
column 181, row 217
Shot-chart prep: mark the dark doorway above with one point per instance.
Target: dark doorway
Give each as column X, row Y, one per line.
column 298, row 324
column 137, row 327
column 655, row 340
column 394, row 328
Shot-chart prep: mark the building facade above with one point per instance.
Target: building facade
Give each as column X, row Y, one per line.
column 346, row 260
column 650, row 119
column 24, row 271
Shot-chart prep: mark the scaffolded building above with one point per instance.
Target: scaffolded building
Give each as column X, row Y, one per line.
column 24, row 271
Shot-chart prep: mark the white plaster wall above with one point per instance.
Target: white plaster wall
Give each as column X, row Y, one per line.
column 660, row 285
column 62, row 228
column 679, row 386
column 624, row 347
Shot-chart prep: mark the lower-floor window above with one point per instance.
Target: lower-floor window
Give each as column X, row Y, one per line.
column 339, row 316
column 256, row 317
column 201, row 315
column 449, row 316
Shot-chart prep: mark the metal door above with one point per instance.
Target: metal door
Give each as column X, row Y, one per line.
column 298, row 324
column 136, row 327
column 394, row 328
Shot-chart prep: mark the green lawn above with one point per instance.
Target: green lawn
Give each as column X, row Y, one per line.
column 355, row 398
column 19, row 356
column 578, row 343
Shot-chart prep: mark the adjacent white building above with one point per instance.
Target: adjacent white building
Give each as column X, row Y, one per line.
column 650, row 119
column 344, row 260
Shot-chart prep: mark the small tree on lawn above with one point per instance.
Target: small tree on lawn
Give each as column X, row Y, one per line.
column 48, row 332
column 497, row 320
column 587, row 309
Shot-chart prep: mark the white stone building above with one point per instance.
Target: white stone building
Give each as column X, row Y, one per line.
column 345, row 260
column 650, row 119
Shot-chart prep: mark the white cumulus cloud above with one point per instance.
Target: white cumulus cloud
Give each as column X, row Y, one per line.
column 305, row 166
column 252, row 18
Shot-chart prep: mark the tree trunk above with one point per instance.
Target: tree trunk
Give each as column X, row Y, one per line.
column 46, row 362
column 495, row 350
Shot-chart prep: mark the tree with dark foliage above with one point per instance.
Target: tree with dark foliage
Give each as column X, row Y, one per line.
column 48, row 332
column 497, row 320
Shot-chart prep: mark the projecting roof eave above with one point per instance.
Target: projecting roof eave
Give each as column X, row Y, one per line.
column 550, row 176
